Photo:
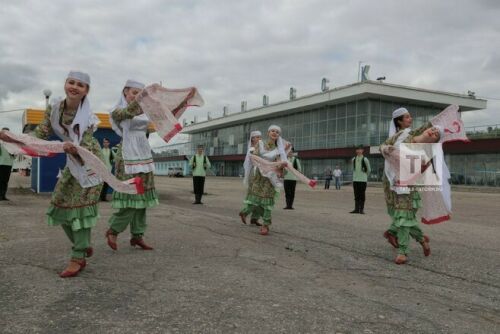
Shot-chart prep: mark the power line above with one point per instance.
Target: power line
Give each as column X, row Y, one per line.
column 11, row 110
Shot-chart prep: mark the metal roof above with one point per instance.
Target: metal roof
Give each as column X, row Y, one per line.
column 356, row 91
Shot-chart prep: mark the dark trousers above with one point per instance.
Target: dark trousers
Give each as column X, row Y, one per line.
column 198, row 187
column 104, row 191
column 327, row 183
column 359, row 195
column 290, row 192
column 4, row 179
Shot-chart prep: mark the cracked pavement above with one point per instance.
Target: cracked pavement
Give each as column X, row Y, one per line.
column 321, row 269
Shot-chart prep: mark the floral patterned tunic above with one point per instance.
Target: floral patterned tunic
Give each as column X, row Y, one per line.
column 402, row 202
column 68, row 194
column 260, row 188
column 120, row 200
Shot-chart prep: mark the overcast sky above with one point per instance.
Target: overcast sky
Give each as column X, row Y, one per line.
column 240, row 50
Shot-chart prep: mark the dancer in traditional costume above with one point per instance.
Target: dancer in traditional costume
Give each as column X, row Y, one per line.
column 264, row 189
column 403, row 202
column 133, row 159
column 248, row 179
column 74, row 201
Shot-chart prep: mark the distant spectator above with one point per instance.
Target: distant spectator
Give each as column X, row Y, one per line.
column 328, row 177
column 337, row 174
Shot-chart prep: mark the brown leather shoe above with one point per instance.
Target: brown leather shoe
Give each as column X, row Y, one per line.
column 401, row 259
column 73, row 268
column 391, row 239
column 140, row 242
column 111, row 236
column 243, row 218
column 425, row 246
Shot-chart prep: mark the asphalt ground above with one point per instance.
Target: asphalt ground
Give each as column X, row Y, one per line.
column 320, row 270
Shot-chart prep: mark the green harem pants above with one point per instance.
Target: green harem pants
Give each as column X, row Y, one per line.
column 257, row 211
column 125, row 216
column 403, row 233
column 80, row 240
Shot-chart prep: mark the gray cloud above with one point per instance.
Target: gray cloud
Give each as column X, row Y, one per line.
column 239, row 50
column 16, row 78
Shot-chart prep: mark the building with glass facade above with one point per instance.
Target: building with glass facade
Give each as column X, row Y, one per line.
column 325, row 127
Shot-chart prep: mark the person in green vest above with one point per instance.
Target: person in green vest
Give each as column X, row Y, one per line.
column 360, row 171
column 6, row 162
column 109, row 157
column 291, row 180
column 199, row 164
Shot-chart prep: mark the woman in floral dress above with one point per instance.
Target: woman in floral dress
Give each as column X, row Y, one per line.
column 74, row 201
column 263, row 190
column 248, row 208
column 133, row 158
column 402, row 205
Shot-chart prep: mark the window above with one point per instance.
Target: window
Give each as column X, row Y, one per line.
column 341, row 111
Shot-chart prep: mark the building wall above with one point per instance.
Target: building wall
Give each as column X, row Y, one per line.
column 362, row 122
column 166, row 167
column 343, row 126
column 475, row 169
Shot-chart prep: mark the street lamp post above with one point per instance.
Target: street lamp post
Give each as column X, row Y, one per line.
column 47, row 93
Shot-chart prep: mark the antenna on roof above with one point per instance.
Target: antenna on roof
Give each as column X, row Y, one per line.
column 324, row 86
column 265, row 100
column 364, row 72
column 243, row 106
column 225, row 111
column 293, row 93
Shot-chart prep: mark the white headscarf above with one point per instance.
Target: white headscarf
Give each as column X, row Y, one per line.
column 122, row 103
column 80, row 76
column 84, row 119
column 247, row 165
column 280, row 144
column 395, row 114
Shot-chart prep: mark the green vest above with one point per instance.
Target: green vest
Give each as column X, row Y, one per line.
column 358, row 174
column 6, row 159
column 199, row 164
column 296, row 164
